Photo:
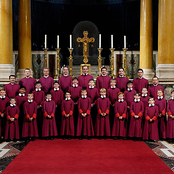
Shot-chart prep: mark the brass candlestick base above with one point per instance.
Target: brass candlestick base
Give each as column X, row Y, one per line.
column 124, row 61
column 45, row 57
column 58, row 64
column 99, row 61
column 112, row 61
column 70, row 61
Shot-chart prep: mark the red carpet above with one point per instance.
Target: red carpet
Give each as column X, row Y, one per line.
column 87, row 156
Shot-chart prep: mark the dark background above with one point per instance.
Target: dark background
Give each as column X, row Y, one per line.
column 59, row 17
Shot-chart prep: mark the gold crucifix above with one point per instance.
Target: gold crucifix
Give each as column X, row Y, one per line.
column 85, row 40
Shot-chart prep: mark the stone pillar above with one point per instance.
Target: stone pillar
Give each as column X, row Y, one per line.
column 165, row 67
column 146, row 41
column 24, row 37
column 6, row 41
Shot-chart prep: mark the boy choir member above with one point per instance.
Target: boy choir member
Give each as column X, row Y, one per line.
column 121, row 80
column 152, row 90
column 49, row 128
column 103, row 81
column 28, row 81
column 161, row 103
column 67, row 123
column 30, row 129
column 65, row 81
column 145, row 97
column 12, row 88
column 140, row 82
column 12, row 127
column 120, row 120
column 84, row 122
column 151, row 123
column 170, row 122
column 136, row 111
column 46, row 81
column 102, row 125
column 84, row 78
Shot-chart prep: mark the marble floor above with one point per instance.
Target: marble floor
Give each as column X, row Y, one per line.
column 9, row 150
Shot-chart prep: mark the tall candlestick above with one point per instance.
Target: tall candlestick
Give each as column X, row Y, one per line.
column 99, row 40
column 70, row 41
column 57, row 41
column 124, row 41
column 45, row 41
column 111, row 41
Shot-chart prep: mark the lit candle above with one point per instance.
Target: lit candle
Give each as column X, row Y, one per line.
column 57, row 41
column 70, row 41
column 111, row 41
column 45, row 41
column 124, row 41
column 99, row 40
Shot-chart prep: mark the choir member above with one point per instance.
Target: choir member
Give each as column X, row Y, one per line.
column 12, row 127
column 65, row 81
column 46, row 81
column 140, row 82
column 161, row 103
column 136, row 111
column 145, row 97
column 29, row 129
column 103, row 81
column 170, row 121
column 12, row 88
column 84, row 78
column 151, row 123
column 84, row 122
column 120, row 120
column 28, row 81
column 39, row 98
column 4, row 102
column 154, row 88
column 102, row 127
column 121, row 80
column 49, row 128
column 67, row 123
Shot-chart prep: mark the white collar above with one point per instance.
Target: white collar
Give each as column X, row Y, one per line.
column 172, row 98
column 29, row 101
column 85, row 74
column 12, row 105
column 113, row 87
column 38, row 89
column 48, row 100
column 91, row 87
column 150, row 105
column 121, row 76
column 103, row 75
column 84, row 96
column 2, row 96
column 140, row 77
column 67, row 98
column 27, row 77
column 46, row 76
column 144, row 95
column 21, row 95
column 103, row 96
column 136, row 100
column 120, row 100
column 12, row 83
column 129, row 89
column 75, row 86
column 155, row 85
column 56, row 89
column 160, row 97
column 65, row 75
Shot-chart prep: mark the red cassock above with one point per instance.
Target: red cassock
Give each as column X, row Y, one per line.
column 49, row 127
column 120, row 126
column 75, row 92
column 152, row 91
column 29, row 83
column 47, row 83
column 129, row 97
column 30, row 127
column 83, row 80
column 65, row 82
column 138, row 84
column 112, row 94
column 67, row 123
column 93, row 94
column 84, row 124
column 102, row 125
column 135, row 128
column 12, row 90
column 170, row 121
column 122, row 83
column 39, row 97
column 57, row 96
column 103, row 82
column 161, row 120
column 144, row 99
column 12, row 128
column 151, row 129
column 4, row 102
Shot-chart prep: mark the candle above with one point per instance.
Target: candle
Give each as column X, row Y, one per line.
column 111, row 41
column 99, row 40
column 70, row 41
column 124, row 41
column 45, row 41
column 57, row 41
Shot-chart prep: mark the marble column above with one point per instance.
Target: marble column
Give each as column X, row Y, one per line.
column 6, row 41
column 165, row 67
column 146, row 39
column 24, row 37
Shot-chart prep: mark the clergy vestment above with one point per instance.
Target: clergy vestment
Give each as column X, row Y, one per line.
column 47, row 83
column 144, row 99
column 152, row 91
column 103, row 82
column 75, row 92
column 138, row 84
column 65, row 82
column 122, row 83
column 12, row 90
column 83, row 80
column 30, row 127
column 129, row 96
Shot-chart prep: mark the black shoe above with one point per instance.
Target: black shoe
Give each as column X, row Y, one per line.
column 139, row 139
column 15, row 140
column 69, row 138
column 47, row 138
column 124, row 138
column 134, row 139
column 51, row 138
column 64, row 138
column 100, row 138
column 89, row 138
column 32, row 139
column 115, row 138
column 80, row 138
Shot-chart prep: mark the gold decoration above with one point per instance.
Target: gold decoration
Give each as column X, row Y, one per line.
column 70, row 61
column 85, row 40
column 58, row 64
column 45, row 58
column 112, row 62
column 99, row 61
column 124, row 62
